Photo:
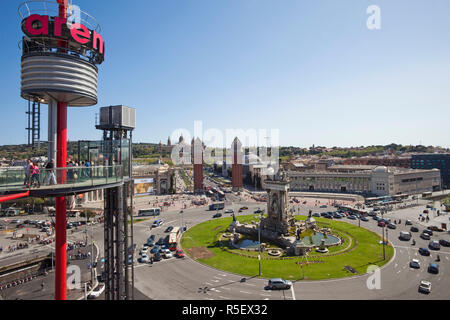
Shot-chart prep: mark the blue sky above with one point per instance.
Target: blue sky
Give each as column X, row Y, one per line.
column 311, row 69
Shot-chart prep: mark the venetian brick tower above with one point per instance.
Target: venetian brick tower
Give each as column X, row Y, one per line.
column 198, row 165
column 236, row 152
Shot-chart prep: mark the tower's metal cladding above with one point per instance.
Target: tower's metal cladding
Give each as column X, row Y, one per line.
column 59, row 55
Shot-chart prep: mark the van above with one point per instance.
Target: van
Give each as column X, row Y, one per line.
column 404, row 235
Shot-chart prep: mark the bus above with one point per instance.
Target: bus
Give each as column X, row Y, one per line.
column 149, row 212
column 217, row 206
column 427, row 194
column 173, row 238
column 221, row 194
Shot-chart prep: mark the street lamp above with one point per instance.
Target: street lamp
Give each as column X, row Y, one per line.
column 382, row 217
column 259, row 241
column 182, row 211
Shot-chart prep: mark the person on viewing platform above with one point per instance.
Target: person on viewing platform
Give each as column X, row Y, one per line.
column 51, row 179
column 27, row 169
column 87, row 164
column 69, row 171
column 35, row 171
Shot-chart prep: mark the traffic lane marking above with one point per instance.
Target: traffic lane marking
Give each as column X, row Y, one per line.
column 293, row 293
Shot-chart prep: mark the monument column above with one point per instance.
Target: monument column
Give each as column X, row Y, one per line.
column 236, row 171
column 198, row 165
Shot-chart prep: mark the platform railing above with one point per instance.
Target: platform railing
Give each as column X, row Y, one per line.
column 17, row 179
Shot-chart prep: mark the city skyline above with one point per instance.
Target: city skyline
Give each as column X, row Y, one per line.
column 258, row 64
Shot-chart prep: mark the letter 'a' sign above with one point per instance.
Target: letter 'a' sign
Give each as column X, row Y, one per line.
column 38, row 25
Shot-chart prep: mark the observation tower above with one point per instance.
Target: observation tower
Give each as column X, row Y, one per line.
column 61, row 49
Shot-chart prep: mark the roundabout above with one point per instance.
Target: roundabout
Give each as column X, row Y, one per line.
column 196, row 277
column 210, row 243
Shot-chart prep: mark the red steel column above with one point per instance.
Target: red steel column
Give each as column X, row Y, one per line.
column 61, row 237
column 61, row 156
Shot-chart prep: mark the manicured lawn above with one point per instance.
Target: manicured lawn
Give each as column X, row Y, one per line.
column 367, row 252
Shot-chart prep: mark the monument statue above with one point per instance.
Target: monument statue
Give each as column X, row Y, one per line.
column 299, row 233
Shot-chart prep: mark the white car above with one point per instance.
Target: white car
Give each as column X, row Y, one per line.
column 144, row 258
column 425, row 286
column 229, row 211
column 97, row 291
column 414, row 264
column 167, row 254
column 145, row 248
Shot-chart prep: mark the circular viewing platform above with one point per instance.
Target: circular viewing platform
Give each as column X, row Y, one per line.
column 59, row 181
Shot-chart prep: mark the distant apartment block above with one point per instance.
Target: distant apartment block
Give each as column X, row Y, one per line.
column 439, row 161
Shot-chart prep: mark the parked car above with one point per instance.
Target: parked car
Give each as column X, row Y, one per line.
column 315, row 214
column 243, row 208
column 425, row 236
column 428, row 231
column 323, row 214
column 131, row 260
column 414, row 229
column 391, row 226
column 179, row 253
column 144, row 258
column 323, row 206
column 414, row 264
column 157, row 257
column 97, row 291
column 425, row 286
column 258, row 211
column 364, row 219
column 433, row 268
column 376, row 218
column 381, row 224
column 160, row 241
column 425, row 211
column 167, row 254
column 435, row 228
column 155, row 249
column 408, row 222
column 229, row 211
column 351, row 217
column 434, row 245
column 444, row 243
column 424, row 251
column 217, row 215
column 278, row 283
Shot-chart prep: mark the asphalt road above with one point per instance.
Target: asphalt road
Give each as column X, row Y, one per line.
column 187, row 279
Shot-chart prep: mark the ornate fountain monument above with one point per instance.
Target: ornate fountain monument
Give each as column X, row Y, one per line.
column 280, row 226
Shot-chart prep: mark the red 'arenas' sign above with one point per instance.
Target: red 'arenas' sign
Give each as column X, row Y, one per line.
column 36, row 25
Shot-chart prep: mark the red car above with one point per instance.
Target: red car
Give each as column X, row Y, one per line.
column 179, row 253
column 381, row 224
